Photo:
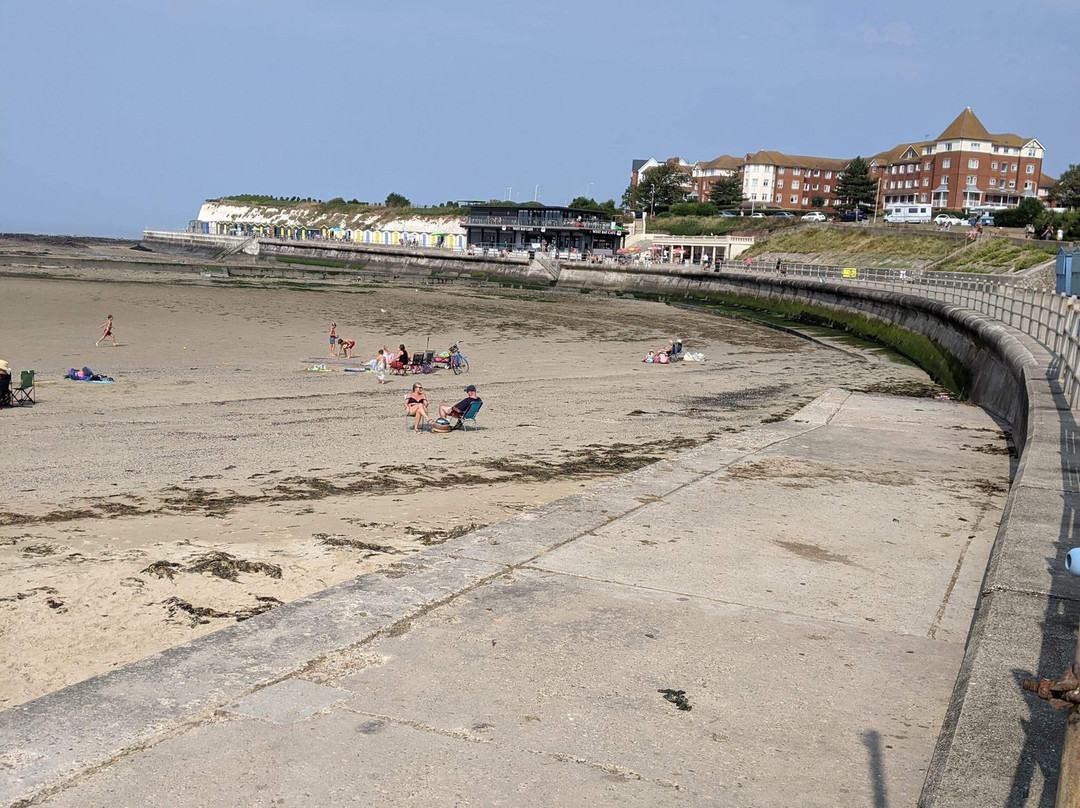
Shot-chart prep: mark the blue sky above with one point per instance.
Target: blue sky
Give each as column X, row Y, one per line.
column 117, row 115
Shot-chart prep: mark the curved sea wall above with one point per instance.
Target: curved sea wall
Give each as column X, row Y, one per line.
column 992, row 355
column 997, row 745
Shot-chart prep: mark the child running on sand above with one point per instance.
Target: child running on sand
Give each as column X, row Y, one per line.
column 333, row 339
column 107, row 331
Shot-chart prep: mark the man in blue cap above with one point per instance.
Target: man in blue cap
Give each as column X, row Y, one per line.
column 461, row 407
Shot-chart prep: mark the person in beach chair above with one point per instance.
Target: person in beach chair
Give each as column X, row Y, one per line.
column 416, row 404
column 5, row 384
column 400, row 363
column 465, row 410
column 674, row 350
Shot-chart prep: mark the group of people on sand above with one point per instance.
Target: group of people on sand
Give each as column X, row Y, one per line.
column 416, row 404
column 669, row 354
column 384, row 358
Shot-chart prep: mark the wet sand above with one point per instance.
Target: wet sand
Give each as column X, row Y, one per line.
column 217, row 477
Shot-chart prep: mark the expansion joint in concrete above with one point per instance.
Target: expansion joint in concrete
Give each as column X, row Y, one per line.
column 1034, row 593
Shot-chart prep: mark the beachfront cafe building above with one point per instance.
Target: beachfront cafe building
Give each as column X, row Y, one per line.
column 572, row 232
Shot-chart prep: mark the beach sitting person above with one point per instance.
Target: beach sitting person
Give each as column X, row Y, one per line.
column 673, row 349
column 650, row 357
column 5, row 384
column 416, row 404
column 345, row 347
column 461, row 407
column 400, row 359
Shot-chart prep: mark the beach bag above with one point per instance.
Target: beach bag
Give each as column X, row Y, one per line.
column 441, row 425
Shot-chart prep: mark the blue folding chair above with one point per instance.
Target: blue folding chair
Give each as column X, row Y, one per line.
column 470, row 415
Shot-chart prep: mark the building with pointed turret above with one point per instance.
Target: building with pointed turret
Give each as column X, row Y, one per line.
column 964, row 167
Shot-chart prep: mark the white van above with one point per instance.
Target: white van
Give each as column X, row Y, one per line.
column 907, row 214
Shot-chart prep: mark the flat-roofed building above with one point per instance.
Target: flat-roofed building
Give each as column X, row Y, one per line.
column 533, row 228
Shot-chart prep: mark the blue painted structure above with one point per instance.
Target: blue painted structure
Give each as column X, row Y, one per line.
column 1066, row 282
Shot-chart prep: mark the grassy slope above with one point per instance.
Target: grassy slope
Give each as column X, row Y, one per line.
column 853, row 247
column 998, row 254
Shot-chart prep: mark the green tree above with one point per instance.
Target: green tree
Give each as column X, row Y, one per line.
column 660, row 187
column 397, row 201
column 726, row 192
column 817, row 201
column 1066, row 193
column 1029, row 211
column 584, row 203
column 855, row 189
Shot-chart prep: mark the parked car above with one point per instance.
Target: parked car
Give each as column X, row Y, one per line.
column 757, row 215
column 782, row 215
column 987, row 220
column 726, row 214
column 852, row 216
column 814, row 216
column 947, row 219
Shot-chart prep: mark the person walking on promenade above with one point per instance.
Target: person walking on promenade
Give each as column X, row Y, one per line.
column 333, row 339
column 107, row 331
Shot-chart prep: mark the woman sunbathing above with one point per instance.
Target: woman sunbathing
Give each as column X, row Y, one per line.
column 416, row 404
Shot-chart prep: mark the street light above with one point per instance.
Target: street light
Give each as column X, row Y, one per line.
column 587, row 189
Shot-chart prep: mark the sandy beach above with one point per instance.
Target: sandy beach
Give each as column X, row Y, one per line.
column 217, row 476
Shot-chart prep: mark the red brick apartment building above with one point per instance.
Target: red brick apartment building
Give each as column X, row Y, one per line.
column 964, row 167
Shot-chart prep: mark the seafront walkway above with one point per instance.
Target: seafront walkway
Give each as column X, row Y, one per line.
column 775, row 618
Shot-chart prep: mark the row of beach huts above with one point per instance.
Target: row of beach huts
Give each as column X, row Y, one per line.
column 397, row 238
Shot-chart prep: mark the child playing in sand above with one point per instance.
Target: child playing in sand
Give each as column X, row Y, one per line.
column 380, row 365
column 333, row 339
column 107, row 331
column 345, row 346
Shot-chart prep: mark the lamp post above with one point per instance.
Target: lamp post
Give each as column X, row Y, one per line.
column 587, row 189
column 877, row 197
column 510, row 193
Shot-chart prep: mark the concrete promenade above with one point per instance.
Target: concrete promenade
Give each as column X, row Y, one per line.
column 807, row 585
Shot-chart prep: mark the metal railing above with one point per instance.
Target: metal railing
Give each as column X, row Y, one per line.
column 1052, row 320
column 514, row 221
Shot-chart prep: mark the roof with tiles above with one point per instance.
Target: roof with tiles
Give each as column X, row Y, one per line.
column 775, row 158
column 966, row 126
column 724, row 162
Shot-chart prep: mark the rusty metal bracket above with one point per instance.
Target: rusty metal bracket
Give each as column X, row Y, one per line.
column 1062, row 694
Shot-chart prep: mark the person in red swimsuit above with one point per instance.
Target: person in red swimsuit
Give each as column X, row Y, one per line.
column 107, row 331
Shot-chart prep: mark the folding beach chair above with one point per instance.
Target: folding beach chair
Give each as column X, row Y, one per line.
column 470, row 415
column 5, row 390
column 24, row 393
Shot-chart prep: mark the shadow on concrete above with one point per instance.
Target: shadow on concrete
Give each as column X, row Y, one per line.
column 1044, row 728
column 871, row 739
